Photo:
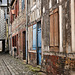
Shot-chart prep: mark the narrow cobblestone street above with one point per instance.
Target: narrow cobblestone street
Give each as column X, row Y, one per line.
column 37, row 37
column 12, row 66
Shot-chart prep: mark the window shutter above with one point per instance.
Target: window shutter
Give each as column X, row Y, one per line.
column 34, row 37
column 16, row 9
column 54, row 30
column 51, row 31
column 10, row 17
column 56, row 27
column 23, row 2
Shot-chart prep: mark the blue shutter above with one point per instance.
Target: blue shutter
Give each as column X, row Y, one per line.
column 39, row 37
column 34, row 37
column 22, row 4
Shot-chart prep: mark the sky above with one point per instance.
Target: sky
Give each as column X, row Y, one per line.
column 4, row 1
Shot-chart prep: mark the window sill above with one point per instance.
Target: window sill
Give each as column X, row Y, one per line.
column 33, row 51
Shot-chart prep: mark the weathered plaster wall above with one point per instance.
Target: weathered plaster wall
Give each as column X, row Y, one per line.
column 30, row 37
column 34, row 16
column 57, row 62
column 18, row 26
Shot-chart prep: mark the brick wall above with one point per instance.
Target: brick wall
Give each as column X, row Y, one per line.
column 58, row 65
column 32, row 58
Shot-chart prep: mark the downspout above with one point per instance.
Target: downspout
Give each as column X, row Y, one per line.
column 8, row 25
column 26, row 32
column 8, row 22
column 11, row 39
column 11, row 34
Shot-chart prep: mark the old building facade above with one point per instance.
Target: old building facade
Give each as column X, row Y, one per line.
column 58, row 36
column 34, row 31
column 51, row 33
column 18, row 22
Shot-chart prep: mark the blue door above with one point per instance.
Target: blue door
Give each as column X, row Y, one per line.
column 39, row 43
column 34, row 37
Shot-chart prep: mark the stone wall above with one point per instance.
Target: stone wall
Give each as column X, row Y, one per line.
column 18, row 26
column 58, row 65
column 57, row 62
column 34, row 16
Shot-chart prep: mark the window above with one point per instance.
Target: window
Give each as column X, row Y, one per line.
column 17, row 8
column 54, row 30
column 7, row 21
column 23, row 4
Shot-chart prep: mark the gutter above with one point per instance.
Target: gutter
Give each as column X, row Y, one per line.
column 26, row 32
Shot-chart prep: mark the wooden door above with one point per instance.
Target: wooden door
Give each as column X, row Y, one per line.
column 24, row 45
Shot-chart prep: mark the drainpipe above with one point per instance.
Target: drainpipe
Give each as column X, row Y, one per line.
column 10, row 34
column 11, row 39
column 8, row 30
column 26, row 32
column 8, row 23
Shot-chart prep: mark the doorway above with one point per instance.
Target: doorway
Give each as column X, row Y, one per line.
column 17, row 44
column 39, row 43
column 2, row 45
column 24, row 45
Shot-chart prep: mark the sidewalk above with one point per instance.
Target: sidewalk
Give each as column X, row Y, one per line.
column 18, row 67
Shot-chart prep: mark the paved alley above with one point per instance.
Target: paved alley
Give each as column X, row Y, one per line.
column 12, row 66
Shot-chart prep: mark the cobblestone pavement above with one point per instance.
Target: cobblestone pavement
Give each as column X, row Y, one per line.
column 12, row 66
